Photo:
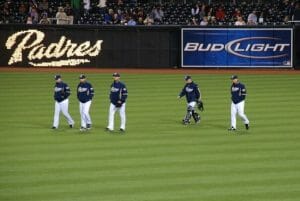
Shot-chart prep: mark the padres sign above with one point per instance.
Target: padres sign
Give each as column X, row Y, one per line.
column 29, row 44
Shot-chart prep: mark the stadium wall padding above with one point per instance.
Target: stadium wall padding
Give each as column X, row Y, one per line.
column 297, row 47
column 97, row 46
column 117, row 46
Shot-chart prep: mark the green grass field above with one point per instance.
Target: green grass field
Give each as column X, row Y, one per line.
column 158, row 159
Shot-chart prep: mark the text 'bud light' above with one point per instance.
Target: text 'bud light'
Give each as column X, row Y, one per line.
column 236, row 47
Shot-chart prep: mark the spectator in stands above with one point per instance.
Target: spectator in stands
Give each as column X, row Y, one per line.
column 202, row 12
column 29, row 20
column 148, row 20
column 213, row 21
column 61, row 16
column 261, row 18
column 157, row 13
column 240, row 22
column 286, row 19
column 102, row 4
column 252, row 18
column 140, row 13
column 131, row 21
column 75, row 4
column 22, row 9
column 86, row 5
column 44, row 20
column 220, row 14
column 209, row 15
column 34, row 15
column 291, row 9
column 44, row 5
column 116, row 19
column 296, row 16
column 69, row 11
column 120, row 16
column 195, row 10
column 108, row 17
column 204, row 21
column 6, row 12
column 237, row 13
column 140, row 21
column 193, row 21
column 120, row 3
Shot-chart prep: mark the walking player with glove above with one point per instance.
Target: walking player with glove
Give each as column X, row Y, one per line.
column 118, row 96
column 193, row 97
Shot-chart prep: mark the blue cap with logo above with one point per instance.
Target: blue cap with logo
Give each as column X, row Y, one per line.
column 187, row 77
column 82, row 76
column 56, row 77
column 116, row 75
column 233, row 77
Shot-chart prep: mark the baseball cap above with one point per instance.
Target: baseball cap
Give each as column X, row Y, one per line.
column 187, row 77
column 82, row 76
column 116, row 75
column 233, row 77
column 56, row 77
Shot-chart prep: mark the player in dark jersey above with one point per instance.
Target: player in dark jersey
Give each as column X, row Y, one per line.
column 238, row 96
column 61, row 94
column 85, row 94
column 118, row 96
column 192, row 93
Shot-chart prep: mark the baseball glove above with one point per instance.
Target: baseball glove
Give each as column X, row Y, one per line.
column 200, row 105
column 119, row 105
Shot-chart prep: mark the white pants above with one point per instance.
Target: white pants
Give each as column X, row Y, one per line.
column 62, row 107
column 192, row 104
column 111, row 116
column 238, row 109
column 84, row 109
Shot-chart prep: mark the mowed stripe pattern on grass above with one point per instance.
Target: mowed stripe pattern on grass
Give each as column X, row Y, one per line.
column 158, row 159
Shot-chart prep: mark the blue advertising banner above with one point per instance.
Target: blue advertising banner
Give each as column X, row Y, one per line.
column 237, row 47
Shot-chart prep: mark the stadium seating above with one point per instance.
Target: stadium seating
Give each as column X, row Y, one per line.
column 274, row 12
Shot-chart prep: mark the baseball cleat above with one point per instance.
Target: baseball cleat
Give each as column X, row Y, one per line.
column 231, row 129
column 185, row 122
column 108, row 130
column 88, row 126
column 122, row 130
column 82, row 129
column 53, row 127
column 247, row 126
column 71, row 125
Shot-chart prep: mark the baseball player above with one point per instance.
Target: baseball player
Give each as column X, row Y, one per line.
column 85, row 94
column 118, row 96
column 192, row 93
column 238, row 96
column 61, row 93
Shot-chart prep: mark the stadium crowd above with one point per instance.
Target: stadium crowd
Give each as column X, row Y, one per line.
column 135, row 12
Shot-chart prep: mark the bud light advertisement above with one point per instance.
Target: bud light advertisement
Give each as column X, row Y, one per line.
column 237, row 47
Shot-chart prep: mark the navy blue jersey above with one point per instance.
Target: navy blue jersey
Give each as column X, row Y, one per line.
column 118, row 92
column 238, row 93
column 61, row 91
column 85, row 92
column 191, row 92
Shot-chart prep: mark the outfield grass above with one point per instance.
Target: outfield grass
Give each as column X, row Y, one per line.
column 158, row 159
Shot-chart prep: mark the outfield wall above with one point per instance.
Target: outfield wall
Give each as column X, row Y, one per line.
column 297, row 47
column 146, row 46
